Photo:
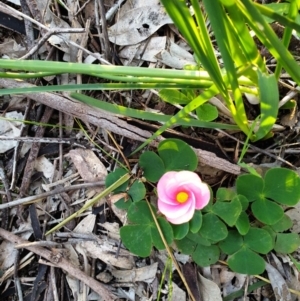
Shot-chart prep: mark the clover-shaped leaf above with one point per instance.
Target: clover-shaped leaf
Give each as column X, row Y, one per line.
column 283, row 224
column 246, row 261
column 143, row 233
column 225, row 194
column 243, row 224
column 213, row 228
column 137, row 191
column 250, row 186
column 196, row 222
column 266, row 211
column 152, row 165
column 180, row 231
column 232, row 243
column 206, row 255
column 287, row 242
column 283, row 186
column 228, row 211
column 177, row 155
column 113, row 177
column 186, row 245
column 259, row 240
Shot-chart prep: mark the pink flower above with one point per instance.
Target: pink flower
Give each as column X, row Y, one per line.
column 179, row 194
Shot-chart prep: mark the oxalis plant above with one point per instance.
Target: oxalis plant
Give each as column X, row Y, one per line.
column 244, row 222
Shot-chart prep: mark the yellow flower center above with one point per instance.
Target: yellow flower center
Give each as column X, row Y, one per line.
column 182, row 197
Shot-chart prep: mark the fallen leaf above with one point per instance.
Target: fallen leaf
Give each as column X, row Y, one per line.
column 138, row 24
column 209, row 290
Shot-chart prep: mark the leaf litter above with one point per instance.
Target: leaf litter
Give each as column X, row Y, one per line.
column 93, row 244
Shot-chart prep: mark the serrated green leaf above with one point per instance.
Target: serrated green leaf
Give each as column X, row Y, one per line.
column 213, row 228
column 243, row 224
column 137, row 239
column 228, row 211
column 250, row 186
column 283, row 224
column 283, row 186
column 232, row 243
column 152, row 165
column 247, row 262
column 177, row 155
column 113, row 177
column 259, row 240
column 205, row 256
column 287, row 243
column 137, row 191
column 266, row 211
column 180, row 231
column 196, row 222
column 207, row 112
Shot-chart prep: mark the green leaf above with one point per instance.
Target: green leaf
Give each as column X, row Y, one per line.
column 205, row 256
column 213, row 228
column 196, row 222
column 269, row 99
column 152, row 165
column 114, row 176
column 228, row 211
column 139, row 213
column 207, row 112
column 166, row 230
column 250, row 186
column 247, row 262
column 259, row 240
column 177, row 155
column 232, row 243
column 283, row 186
column 137, row 239
column 199, row 239
column 279, row 8
column 244, row 201
column 266, row 211
column 137, row 191
column 283, row 224
column 287, row 243
column 243, row 224
column 225, row 194
column 180, row 231
column 123, row 203
column 186, row 246
column 173, row 96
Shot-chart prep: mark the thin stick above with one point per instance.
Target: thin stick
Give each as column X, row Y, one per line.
column 62, row 263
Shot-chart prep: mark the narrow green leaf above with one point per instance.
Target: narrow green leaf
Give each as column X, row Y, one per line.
column 243, row 224
column 269, row 100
